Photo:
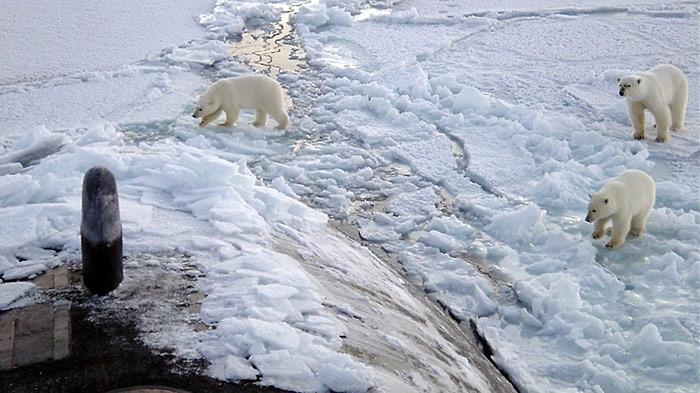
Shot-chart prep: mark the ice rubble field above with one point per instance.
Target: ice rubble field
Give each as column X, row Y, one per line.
column 464, row 141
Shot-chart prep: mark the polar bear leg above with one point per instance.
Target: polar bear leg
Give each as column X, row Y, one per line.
column 210, row 117
column 679, row 104
column 663, row 123
column 638, row 224
column 231, row 117
column 599, row 228
column 619, row 232
column 636, row 113
column 260, row 118
column 280, row 117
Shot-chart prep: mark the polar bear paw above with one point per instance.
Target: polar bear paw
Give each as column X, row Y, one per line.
column 661, row 139
column 612, row 245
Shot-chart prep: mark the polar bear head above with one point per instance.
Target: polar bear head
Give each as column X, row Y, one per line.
column 632, row 87
column 207, row 104
column 602, row 205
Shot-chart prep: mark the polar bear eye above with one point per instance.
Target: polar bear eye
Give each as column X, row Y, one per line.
column 592, row 211
column 606, row 201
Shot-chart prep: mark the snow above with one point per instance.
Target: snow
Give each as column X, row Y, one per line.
column 45, row 40
column 459, row 142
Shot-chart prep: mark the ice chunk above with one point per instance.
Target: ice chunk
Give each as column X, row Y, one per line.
column 23, row 271
column 281, row 185
column 652, row 351
column 10, row 169
column 317, row 15
column 470, row 100
column 12, row 291
column 199, row 53
column 35, row 145
column 276, row 291
column 439, row 240
column 519, row 225
column 233, row 368
column 229, row 18
column 5, row 264
column 17, row 190
column 286, row 371
column 550, row 295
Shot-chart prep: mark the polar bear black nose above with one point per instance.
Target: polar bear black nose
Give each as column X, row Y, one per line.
column 622, row 92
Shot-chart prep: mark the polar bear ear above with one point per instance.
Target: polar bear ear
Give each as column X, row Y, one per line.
column 618, row 79
column 606, row 200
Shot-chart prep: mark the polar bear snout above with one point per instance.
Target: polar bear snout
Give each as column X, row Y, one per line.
column 625, row 85
column 588, row 218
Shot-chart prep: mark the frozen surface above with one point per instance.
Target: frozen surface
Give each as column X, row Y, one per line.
column 485, row 127
column 10, row 292
column 461, row 146
column 44, row 39
column 190, row 191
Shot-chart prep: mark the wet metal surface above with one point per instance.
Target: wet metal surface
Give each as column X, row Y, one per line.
column 103, row 357
column 148, row 389
column 72, row 342
column 58, row 278
column 34, row 334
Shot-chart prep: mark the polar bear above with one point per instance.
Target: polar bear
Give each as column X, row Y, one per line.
column 626, row 200
column 663, row 90
column 229, row 95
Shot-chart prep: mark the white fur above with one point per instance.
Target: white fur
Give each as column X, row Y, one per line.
column 626, row 200
column 230, row 95
column 663, row 91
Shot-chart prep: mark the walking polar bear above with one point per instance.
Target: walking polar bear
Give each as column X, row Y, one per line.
column 626, row 200
column 663, row 90
column 230, row 95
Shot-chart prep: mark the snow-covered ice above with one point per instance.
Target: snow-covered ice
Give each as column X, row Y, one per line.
column 43, row 39
column 511, row 111
column 10, row 292
column 459, row 141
